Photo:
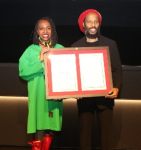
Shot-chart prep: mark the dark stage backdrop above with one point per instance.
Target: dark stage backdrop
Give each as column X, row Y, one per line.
column 121, row 22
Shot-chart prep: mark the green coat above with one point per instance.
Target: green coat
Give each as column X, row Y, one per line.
column 32, row 70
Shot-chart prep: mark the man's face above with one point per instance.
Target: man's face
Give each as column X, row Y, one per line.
column 91, row 25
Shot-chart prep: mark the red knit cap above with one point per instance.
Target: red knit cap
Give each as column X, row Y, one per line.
column 84, row 14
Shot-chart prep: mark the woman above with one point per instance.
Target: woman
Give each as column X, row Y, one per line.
column 44, row 116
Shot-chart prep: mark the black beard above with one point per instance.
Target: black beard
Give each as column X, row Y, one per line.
column 92, row 36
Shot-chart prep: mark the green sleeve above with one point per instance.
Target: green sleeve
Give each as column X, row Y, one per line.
column 29, row 63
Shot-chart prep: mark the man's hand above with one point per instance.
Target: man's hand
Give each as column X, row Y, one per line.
column 113, row 93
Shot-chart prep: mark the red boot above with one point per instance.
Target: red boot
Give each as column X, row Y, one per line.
column 36, row 144
column 47, row 141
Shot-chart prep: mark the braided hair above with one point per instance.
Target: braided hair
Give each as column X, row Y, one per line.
column 54, row 37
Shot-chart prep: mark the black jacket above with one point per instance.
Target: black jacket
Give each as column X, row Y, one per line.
column 115, row 61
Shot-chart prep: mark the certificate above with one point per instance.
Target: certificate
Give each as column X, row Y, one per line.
column 77, row 72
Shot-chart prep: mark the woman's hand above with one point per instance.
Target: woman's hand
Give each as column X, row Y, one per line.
column 58, row 100
column 113, row 93
column 43, row 50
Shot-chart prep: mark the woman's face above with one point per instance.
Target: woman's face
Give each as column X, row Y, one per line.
column 44, row 30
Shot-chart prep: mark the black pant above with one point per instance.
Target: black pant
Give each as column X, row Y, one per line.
column 40, row 134
column 86, row 109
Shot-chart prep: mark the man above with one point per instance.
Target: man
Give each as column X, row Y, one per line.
column 89, row 23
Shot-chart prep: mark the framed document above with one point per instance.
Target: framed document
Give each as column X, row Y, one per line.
column 77, row 72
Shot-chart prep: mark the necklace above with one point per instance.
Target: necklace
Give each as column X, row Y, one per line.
column 44, row 43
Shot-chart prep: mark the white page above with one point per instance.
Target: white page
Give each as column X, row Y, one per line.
column 64, row 76
column 92, row 71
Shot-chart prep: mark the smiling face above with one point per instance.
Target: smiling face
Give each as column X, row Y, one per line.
column 44, row 30
column 91, row 23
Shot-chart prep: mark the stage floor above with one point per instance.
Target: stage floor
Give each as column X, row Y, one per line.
column 63, row 148
column 29, row 148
